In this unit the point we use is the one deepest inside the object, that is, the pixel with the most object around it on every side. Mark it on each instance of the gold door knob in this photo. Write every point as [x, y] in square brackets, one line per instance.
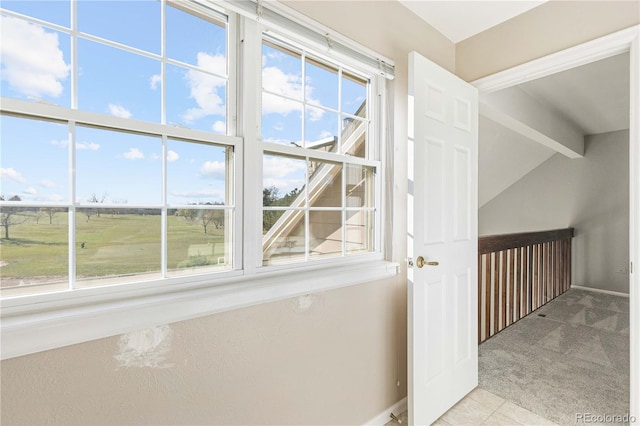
[420, 262]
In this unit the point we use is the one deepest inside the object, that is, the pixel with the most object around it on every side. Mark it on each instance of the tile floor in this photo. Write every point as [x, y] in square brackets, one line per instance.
[481, 407]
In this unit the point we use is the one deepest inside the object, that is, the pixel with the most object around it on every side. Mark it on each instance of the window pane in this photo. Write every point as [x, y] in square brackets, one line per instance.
[281, 82]
[354, 137]
[117, 167]
[198, 241]
[29, 149]
[57, 12]
[321, 128]
[198, 173]
[281, 120]
[113, 81]
[359, 186]
[283, 181]
[283, 239]
[321, 84]
[112, 245]
[281, 71]
[33, 250]
[359, 231]
[208, 50]
[134, 23]
[196, 100]
[354, 95]
[325, 233]
[35, 62]
[325, 184]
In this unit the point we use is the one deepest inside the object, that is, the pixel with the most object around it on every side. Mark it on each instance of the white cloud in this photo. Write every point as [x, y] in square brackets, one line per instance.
[87, 146]
[119, 111]
[172, 156]
[219, 127]
[61, 143]
[315, 114]
[278, 127]
[214, 169]
[283, 173]
[133, 154]
[276, 81]
[325, 134]
[279, 167]
[30, 191]
[45, 183]
[32, 62]
[204, 87]
[11, 174]
[154, 81]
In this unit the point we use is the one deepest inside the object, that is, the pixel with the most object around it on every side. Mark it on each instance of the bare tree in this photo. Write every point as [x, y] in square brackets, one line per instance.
[11, 216]
[51, 212]
[96, 200]
[204, 217]
[190, 215]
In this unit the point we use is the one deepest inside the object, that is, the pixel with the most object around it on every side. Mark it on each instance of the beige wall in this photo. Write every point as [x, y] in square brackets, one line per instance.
[551, 27]
[326, 359]
[335, 362]
[590, 194]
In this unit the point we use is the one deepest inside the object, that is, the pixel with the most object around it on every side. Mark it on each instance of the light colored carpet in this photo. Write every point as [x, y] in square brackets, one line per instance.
[573, 360]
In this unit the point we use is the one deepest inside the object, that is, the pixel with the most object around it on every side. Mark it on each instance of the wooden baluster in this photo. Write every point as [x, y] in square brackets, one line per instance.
[512, 287]
[496, 292]
[536, 289]
[480, 293]
[503, 267]
[487, 296]
[517, 300]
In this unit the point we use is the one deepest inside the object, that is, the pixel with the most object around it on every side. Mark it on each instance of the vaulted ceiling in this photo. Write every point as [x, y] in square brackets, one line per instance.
[589, 99]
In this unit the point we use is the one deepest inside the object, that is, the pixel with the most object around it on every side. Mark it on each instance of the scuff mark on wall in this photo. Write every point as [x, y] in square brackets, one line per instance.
[145, 348]
[303, 303]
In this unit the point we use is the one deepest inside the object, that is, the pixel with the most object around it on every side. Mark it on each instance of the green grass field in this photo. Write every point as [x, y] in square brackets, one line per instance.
[113, 245]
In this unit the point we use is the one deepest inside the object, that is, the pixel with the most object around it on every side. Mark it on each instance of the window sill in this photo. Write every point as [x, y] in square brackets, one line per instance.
[39, 323]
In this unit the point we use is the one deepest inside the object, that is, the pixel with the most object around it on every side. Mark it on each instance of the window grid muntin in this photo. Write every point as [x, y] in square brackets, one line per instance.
[344, 209]
[220, 19]
[292, 48]
[73, 204]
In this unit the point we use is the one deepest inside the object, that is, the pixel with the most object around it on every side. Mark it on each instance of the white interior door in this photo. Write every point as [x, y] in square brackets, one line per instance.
[634, 231]
[443, 239]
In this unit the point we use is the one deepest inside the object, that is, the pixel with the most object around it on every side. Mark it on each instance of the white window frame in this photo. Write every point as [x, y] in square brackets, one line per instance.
[46, 321]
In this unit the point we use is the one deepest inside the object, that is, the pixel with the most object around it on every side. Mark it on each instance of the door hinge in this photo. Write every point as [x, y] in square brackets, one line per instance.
[410, 262]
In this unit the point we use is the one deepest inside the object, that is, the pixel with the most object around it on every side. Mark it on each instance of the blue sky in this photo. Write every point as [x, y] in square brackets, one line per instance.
[36, 65]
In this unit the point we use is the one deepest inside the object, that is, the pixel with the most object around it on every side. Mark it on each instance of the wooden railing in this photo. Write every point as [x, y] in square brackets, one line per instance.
[518, 273]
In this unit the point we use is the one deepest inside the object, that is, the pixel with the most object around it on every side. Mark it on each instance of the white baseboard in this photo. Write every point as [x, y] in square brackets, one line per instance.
[598, 290]
[384, 417]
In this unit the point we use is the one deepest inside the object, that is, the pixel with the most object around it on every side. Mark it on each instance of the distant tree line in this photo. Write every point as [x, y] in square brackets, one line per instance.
[11, 216]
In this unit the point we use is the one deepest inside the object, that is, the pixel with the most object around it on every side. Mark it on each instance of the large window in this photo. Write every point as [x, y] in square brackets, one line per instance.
[125, 156]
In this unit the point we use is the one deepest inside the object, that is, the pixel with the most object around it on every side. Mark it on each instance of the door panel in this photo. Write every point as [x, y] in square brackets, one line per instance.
[443, 352]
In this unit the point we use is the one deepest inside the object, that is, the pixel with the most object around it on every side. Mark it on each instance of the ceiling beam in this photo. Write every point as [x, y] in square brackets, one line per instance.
[516, 110]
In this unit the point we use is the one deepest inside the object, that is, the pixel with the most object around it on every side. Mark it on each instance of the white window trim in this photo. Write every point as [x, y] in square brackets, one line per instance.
[67, 318]
[35, 323]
